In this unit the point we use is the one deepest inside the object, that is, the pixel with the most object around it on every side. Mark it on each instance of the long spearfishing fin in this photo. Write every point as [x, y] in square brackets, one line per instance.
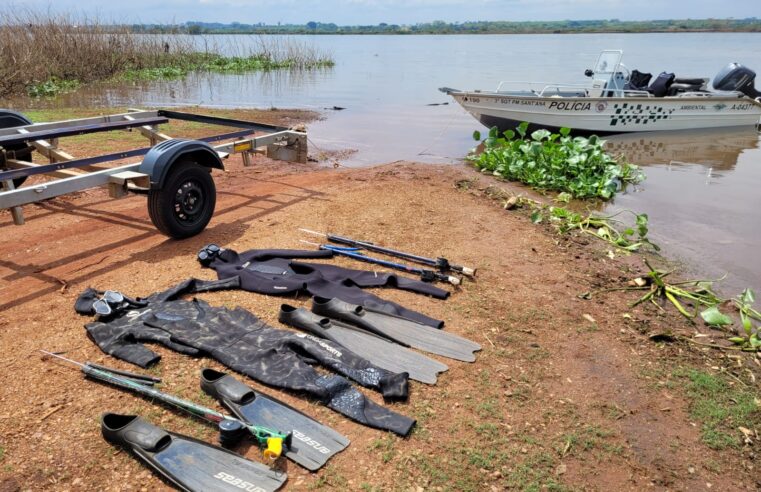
[380, 351]
[398, 329]
[312, 444]
[187, 463]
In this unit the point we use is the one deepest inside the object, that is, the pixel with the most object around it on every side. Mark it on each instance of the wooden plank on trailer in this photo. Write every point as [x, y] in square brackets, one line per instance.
[150, 132]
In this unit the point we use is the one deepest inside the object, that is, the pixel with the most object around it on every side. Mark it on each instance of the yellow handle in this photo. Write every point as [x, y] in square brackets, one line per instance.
[274, 448]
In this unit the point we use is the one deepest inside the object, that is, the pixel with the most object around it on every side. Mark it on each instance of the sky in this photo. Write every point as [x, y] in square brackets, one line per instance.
[352, 12]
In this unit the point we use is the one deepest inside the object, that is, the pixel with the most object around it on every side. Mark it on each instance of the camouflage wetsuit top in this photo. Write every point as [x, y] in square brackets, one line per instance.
[242, 342]
[272, 272]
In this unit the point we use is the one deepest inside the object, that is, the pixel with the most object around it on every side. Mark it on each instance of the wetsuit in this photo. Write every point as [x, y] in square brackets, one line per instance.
[238, 339]
[272, 272]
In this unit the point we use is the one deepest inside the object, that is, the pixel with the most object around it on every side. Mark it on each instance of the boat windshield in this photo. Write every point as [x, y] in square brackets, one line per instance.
[608, 62]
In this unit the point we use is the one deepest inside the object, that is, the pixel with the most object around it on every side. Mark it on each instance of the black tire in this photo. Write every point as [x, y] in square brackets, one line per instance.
[23, 152]
[185, 205]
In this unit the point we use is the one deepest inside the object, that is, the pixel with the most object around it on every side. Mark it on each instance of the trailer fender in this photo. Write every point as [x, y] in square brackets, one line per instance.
[9, 119]
[161, 158]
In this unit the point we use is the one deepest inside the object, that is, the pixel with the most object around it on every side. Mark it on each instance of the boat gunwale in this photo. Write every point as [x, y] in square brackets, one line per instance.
[743, 98]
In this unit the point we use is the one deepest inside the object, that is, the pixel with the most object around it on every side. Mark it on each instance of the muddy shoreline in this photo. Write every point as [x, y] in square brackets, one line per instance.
[568, 393]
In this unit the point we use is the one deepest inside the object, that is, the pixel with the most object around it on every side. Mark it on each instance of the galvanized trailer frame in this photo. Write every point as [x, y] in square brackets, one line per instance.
[172, 172]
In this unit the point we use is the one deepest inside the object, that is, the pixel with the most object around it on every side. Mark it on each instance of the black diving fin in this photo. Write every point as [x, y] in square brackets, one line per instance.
[188, 464]
[397, 329]
[378, 350]
[312, 444]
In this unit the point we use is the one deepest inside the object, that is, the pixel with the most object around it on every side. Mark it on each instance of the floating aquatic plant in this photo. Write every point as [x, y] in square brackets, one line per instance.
[554, 161]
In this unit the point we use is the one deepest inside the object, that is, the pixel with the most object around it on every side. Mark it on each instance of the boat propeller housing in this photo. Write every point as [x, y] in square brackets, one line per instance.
[736, 77]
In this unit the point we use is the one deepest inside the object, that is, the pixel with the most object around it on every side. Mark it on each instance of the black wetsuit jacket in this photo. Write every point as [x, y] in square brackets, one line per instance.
[242, 342]
[272, 272]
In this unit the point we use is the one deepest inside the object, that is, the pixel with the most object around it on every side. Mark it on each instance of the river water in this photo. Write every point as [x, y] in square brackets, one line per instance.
[702, 189]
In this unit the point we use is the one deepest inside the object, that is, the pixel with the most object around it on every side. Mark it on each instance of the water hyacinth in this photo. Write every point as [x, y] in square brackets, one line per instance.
[554, 161]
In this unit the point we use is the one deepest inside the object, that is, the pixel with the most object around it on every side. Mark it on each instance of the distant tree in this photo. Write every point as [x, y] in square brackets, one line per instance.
[312, 25]
[195, 29]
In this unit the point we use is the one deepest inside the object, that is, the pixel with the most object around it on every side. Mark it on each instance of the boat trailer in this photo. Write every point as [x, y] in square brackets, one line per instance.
[174, 173]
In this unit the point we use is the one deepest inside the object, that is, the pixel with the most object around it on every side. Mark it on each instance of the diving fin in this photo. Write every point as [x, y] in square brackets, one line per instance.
[398, 329]
[380, 351]
[312, 444]
[187, 463]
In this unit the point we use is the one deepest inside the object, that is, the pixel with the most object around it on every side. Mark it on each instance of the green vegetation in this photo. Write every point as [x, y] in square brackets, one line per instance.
[385, 446]
[52, 87]
[471, 27]
[697, 293]
[329, 478]
[546, 161]
[44, 54]
[605, 227]
[722, 409]
[198, 62]
[693, 297]
[747, 339]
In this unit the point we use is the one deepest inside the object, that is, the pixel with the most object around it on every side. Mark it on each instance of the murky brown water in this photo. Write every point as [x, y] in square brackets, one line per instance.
[702, 189]
[702, 197]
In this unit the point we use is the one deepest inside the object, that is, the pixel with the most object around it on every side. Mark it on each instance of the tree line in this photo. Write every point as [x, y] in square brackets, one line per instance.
[751, 24]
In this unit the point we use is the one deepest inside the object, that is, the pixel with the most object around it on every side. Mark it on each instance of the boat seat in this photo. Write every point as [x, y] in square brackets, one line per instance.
[695, 81]
[675, 88]
[661, 84]
[638, 81]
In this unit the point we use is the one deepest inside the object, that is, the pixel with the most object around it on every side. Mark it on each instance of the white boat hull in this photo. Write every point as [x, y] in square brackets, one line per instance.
[609, 115]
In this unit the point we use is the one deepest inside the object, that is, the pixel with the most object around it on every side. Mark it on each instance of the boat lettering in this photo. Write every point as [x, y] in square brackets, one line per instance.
[692, 106]
[521, 102]
[741, 106]
[566, 106]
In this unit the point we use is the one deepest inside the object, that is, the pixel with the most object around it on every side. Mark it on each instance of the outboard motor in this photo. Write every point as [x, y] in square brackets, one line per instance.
[735, 77]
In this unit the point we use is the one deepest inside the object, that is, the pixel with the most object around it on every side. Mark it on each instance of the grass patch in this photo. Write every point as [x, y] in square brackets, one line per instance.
[386, 447]
[720, 408]
[490, 408]
[435, 469]
[488, 459]
[487, 430]
[535, 474]
[578, 166]
[330, 478]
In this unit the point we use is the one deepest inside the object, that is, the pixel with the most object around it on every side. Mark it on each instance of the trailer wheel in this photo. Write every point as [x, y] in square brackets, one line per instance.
[184, 206]
[23, 152]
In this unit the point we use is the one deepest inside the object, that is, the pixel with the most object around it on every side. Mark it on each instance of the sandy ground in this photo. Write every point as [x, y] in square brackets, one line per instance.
[567, 394]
